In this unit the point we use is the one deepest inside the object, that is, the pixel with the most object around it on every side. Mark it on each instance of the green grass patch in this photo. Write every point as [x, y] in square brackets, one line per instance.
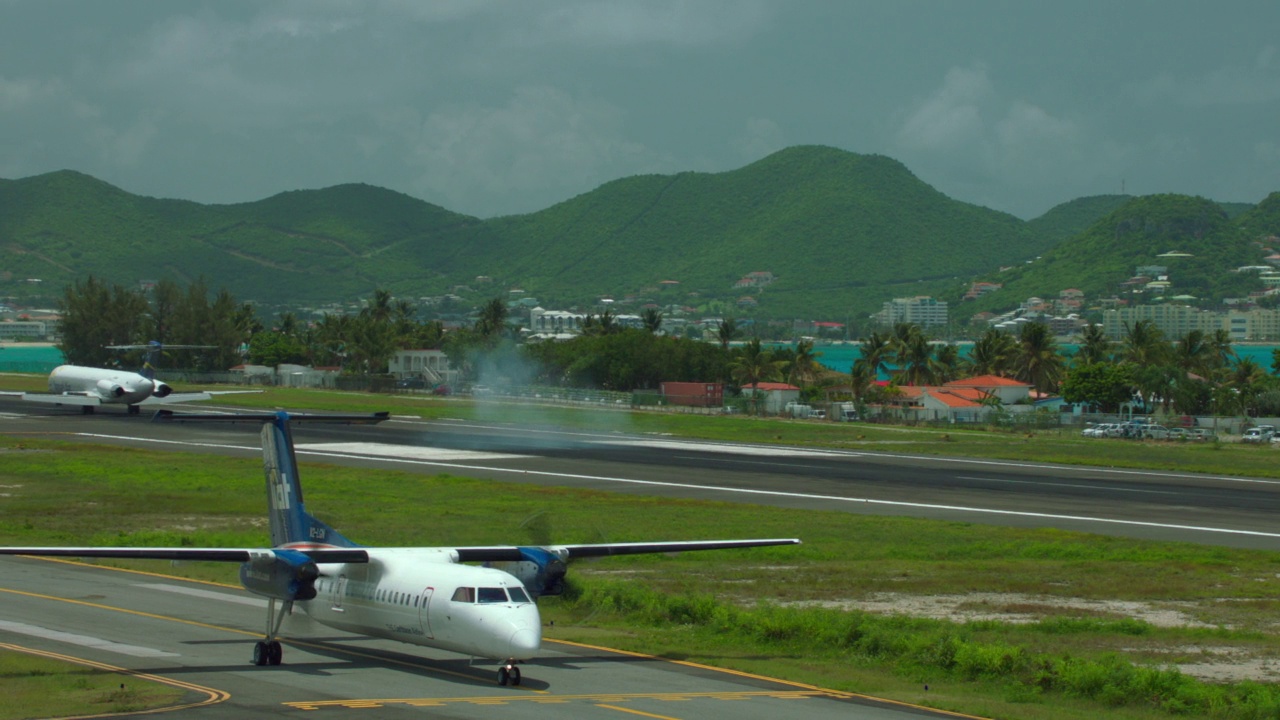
[34, 686]
[792, 612]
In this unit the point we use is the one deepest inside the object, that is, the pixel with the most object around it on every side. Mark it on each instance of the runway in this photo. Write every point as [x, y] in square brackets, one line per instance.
[1158, 505]
[201, 635]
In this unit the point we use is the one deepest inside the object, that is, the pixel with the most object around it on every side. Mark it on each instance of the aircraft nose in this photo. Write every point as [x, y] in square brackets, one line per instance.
[525, 643]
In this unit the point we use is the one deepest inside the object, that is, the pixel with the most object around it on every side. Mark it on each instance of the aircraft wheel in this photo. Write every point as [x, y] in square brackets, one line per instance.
[515, 676]
[134, 409]
[275, 653]
[261, 653]
[504, 676]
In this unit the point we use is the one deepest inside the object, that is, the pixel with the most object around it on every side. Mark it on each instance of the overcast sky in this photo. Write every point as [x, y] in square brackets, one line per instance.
[493, 108]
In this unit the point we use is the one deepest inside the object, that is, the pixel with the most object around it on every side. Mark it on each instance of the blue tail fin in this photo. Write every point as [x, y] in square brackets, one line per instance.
[290, 523]
[289, 520]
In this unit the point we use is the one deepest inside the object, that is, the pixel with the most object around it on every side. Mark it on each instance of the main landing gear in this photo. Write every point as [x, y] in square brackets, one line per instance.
[134, 409]
[269, 651]
[509, 674]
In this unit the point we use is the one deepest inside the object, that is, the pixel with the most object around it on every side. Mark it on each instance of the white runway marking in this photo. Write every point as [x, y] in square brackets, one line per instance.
[207, 594]
[758, 450]
[83, 640]
[408, 452]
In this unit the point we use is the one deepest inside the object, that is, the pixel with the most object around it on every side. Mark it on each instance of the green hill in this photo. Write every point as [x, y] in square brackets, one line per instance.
[1074, 217]
[841, 233]
[1143, 232]
[309, 246]
[837, 232]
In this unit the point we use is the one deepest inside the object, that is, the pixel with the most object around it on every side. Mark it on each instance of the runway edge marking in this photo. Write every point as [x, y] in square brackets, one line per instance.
[213, 695]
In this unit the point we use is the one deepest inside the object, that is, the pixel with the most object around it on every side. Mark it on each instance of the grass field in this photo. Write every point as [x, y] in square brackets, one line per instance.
[1000, 622]
[33, 686]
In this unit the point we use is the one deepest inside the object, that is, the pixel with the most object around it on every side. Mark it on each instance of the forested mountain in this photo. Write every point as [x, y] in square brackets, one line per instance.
[1075, 216]
[839, 233]
[1192, 237]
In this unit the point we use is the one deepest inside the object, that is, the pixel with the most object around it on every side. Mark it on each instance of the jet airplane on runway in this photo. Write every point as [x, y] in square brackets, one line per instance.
[420, 595]
[89, 387]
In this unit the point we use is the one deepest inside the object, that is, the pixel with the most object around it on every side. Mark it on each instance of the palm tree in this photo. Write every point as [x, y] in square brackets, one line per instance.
[492, 321]
[1144, 344]
[946, 365]
[378, 307]
[915, 359]
[1220, 345]
[992, 354]
[1096, 346]
[726, 331]
[873, 355]
[755, 365]
[804, 367]
[652, 319]
[1038, 362]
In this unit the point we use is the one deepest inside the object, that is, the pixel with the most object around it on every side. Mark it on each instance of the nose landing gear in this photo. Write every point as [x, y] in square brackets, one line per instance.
[509, 673]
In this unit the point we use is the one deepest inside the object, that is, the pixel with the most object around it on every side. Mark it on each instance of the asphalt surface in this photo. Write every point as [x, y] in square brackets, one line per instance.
[1217, 510]
[201, 636]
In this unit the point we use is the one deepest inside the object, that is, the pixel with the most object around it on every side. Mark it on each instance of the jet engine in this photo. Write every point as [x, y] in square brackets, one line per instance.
[542, 571]
[161, 390]
[106, 388]
[280, 574]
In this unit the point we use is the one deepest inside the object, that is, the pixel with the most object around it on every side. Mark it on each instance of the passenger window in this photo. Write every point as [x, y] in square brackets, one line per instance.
[464, 594]
[493, 595]
[518, 595]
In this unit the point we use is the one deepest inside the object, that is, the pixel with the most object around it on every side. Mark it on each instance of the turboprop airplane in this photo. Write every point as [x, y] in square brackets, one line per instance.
[419, 595]
[89, 387]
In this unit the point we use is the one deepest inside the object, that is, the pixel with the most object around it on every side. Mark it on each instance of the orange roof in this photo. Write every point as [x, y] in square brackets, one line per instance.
[951, 399]
[986, 381]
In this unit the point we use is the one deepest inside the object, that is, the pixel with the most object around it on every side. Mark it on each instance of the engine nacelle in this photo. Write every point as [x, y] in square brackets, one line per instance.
[106, 388]
[161, 390]
[541, 571]
[280, 574]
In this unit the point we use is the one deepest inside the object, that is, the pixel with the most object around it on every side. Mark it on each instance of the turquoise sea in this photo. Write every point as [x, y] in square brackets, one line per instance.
[840, 357]
[29, 358]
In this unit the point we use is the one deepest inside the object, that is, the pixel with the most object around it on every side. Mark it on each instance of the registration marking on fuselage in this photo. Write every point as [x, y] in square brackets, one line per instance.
[82, 640]
[409, 452]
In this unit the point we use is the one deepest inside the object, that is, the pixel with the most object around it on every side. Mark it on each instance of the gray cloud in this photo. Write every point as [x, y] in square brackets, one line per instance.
[492, 107]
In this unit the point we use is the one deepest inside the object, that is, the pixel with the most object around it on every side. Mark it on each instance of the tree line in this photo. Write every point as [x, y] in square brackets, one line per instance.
[1197, 374]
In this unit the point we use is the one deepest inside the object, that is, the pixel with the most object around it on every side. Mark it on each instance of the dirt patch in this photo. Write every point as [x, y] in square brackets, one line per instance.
[1012, 608]
[1209, 663]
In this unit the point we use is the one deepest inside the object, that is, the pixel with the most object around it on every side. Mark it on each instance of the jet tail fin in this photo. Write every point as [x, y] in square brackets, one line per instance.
[291, 524]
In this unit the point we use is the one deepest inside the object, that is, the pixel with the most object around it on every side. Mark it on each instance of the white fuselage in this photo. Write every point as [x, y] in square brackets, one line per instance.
[413, 595]
[109, 386]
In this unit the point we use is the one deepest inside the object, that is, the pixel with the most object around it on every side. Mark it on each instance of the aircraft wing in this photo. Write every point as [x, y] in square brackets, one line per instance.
[513, 553]
[191, 396]
[58, 399]
[177, 398]
[320, 555]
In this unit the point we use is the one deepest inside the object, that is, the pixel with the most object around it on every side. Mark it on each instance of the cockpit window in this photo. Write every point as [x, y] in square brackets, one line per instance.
[518, 595]
[464, 594]
[493, 595]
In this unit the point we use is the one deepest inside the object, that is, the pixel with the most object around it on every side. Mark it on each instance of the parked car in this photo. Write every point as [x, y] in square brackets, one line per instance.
[411, 383]
[1258, 435]
[1179, 433]
[1153, 432]
[1201, 434]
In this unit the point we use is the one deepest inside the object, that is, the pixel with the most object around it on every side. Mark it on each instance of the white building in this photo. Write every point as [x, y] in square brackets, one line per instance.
[921, 310]
[431, 365]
